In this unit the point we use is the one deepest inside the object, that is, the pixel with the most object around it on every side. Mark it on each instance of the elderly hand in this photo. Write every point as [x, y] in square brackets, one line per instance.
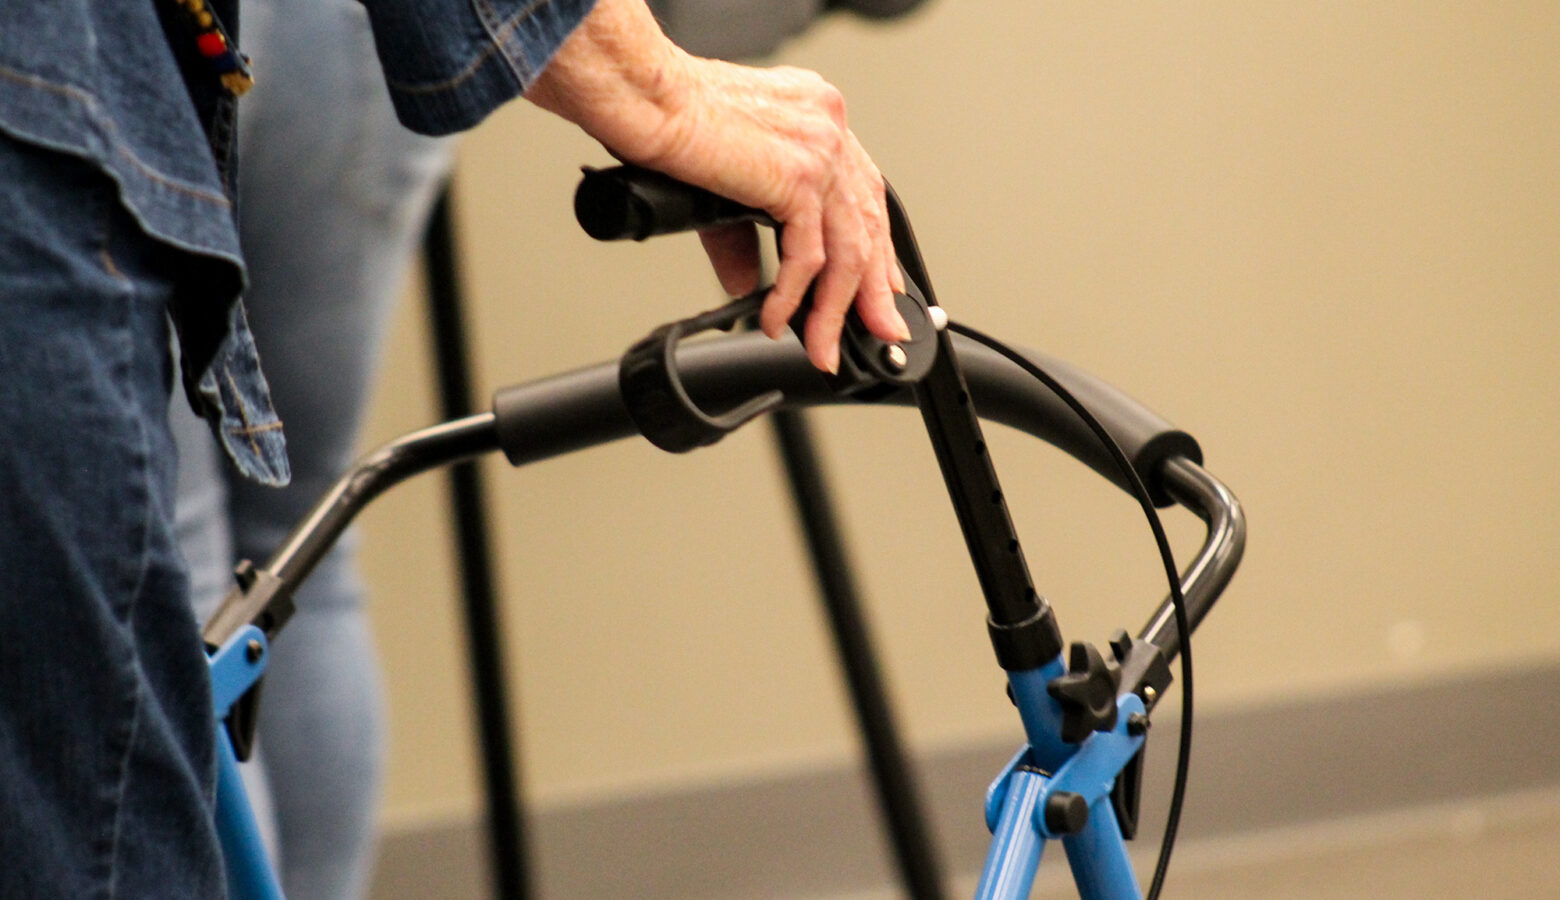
[775, 139]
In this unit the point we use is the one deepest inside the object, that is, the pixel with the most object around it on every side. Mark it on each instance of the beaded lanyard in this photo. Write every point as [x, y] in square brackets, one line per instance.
[213, 43]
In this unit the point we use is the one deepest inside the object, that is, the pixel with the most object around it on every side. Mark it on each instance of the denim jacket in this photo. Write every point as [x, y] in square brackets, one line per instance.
[119, 84]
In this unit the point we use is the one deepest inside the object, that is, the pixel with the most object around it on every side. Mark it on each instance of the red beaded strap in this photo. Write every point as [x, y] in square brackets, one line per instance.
[212, 41]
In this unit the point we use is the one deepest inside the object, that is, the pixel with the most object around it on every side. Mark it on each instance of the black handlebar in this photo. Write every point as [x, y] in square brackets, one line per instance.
[630, 203]
[579, 409]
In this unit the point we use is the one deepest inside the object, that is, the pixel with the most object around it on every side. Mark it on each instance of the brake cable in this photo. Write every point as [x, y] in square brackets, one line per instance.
[1166, 556]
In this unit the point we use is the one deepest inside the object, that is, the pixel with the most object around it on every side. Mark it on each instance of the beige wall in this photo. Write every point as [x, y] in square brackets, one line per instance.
[1320, 236]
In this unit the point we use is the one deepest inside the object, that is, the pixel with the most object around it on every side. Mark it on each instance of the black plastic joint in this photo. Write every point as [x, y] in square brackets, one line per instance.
[653, 392]
[1087, 693]
[242, 720]
[1066, 813]
[1126, 795]
[1029, 644]
[1144, 669]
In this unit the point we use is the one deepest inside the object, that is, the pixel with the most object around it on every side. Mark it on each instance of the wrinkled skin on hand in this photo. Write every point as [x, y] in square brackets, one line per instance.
[775, 139]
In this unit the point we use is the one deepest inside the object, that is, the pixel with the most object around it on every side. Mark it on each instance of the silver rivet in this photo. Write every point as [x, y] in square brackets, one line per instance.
[1149, 693]
[254, 651]
[896, 357]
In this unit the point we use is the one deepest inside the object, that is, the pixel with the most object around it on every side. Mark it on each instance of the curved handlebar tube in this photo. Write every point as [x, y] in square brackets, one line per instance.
[1210, 572]
[568, 412]
[580, 409]
[412, 454]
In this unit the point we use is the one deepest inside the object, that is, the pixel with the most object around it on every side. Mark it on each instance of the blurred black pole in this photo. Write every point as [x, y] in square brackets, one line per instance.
[507, 847]
[898, 796]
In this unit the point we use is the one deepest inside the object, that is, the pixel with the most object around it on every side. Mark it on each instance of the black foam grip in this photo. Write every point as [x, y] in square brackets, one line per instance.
[576, 410]
[630, 203]
[1008, 394]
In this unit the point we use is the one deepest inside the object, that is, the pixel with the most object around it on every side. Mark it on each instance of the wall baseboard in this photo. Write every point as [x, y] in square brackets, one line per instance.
[816, 834]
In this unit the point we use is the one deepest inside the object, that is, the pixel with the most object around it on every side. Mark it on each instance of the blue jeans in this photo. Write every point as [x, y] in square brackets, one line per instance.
[333, 192]
[106, 763]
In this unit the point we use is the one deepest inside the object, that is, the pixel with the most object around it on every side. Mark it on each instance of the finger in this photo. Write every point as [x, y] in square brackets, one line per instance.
[849, 253]
[801, 256]
[875, 305]
[821, 336]
[883, 234]
[874, 298]
[896, 275]
[733, 252]
[875, 201]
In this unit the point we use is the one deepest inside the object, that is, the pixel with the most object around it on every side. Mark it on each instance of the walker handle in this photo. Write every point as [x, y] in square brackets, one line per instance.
[630, 203]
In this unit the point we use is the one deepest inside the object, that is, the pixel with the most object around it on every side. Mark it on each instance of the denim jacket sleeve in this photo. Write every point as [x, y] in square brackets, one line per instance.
[449, 63]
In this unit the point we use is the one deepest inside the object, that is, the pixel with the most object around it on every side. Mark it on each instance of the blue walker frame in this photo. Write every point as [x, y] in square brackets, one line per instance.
[1052, 789]
[1015, 802]
[236, 667]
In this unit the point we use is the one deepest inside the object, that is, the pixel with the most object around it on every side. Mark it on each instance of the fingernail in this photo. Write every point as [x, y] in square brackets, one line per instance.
[901, 330]
[832, 360]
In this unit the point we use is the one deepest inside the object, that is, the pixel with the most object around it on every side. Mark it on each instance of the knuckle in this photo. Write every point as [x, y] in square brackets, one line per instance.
[779, 306]
[811, 169]
[824, 140]
[854, 256]
[832, 100]
[811, 260]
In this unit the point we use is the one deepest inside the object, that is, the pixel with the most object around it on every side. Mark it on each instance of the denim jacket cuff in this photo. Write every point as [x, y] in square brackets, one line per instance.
[448, 63]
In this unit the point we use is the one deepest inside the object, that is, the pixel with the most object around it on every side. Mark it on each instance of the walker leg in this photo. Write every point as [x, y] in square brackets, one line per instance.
[1098, 856]
[1016, 842]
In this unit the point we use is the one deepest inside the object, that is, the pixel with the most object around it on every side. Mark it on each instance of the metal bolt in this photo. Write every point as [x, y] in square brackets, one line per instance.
[896, 357]
[1137, 724]
[244, 574]
[254, 651]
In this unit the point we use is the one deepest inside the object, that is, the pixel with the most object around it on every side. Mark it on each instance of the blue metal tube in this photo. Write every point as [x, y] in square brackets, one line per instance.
[235, 668]
[1041, 715]
[1098, 855]
[1016, 843]
[249, 873]
[1015, 803]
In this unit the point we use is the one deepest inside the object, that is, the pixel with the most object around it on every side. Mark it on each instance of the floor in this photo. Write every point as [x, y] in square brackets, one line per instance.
[1501, 847]
[1287, 802]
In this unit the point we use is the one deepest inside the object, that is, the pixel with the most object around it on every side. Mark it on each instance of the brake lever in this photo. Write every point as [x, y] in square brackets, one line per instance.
[872, 367]
[662, 410]
[635, 203]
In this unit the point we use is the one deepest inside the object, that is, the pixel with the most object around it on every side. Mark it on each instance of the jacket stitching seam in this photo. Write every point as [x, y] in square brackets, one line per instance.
[464, 75]
[248, 431]
[254, 429]
[91, 103]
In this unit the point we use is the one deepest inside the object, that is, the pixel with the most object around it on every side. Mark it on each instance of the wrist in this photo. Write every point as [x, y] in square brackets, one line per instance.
[620, 79]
